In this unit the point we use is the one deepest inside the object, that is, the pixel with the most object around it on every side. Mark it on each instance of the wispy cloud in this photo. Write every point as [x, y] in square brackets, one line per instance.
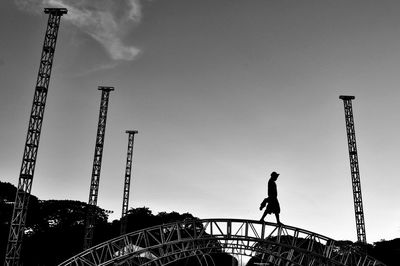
[106, 21]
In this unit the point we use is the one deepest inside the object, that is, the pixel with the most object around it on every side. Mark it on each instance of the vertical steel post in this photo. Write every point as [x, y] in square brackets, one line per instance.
[127, 184]
[98, 154]
[355, 172]
[17, 225]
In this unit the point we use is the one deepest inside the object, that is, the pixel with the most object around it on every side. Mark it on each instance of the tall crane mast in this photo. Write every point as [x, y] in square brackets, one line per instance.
[355, 172]
[98, 154]
[17, 225]
[127, 184]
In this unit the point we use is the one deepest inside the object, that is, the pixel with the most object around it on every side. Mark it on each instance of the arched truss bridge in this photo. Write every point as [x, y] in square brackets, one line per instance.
[269, 243]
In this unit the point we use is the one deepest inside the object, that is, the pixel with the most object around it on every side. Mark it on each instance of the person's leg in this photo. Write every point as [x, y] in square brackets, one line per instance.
[263, 216]
[277, 218]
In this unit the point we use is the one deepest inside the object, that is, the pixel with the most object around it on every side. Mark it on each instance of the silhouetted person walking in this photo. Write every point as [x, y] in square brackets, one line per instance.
[273, 203]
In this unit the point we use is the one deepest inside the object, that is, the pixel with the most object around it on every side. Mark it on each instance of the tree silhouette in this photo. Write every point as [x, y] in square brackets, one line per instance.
[55, 228]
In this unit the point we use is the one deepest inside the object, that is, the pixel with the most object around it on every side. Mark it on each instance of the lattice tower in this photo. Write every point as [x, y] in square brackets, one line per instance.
[127, 184]
[355, 172]
[17, 225]
[98, 154]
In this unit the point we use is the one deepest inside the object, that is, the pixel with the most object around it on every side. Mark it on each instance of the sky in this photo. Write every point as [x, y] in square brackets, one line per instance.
[222, 94]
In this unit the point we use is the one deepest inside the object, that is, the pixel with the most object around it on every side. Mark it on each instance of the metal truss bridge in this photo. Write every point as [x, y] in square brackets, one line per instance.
[269, 243]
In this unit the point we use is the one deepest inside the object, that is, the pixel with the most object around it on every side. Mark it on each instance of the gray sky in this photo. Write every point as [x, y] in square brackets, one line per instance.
[222, 93]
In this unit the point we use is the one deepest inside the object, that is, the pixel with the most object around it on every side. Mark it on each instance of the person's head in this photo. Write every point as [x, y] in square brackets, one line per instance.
[274, 175]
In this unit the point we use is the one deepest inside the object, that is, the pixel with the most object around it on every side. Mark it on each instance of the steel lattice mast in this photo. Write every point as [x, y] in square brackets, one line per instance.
[127, 184]
[98, 154]
[17, 226]
[355, 172]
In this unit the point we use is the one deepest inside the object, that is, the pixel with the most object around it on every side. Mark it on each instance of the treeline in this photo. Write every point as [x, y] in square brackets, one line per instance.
[387, 251]
[55, 229]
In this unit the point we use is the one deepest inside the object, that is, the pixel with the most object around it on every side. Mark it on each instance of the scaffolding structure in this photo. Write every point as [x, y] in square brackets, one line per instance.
[17, 225]
[355, 172]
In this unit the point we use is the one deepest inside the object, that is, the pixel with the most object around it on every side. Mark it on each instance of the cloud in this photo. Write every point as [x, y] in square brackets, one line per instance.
[106, 21]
